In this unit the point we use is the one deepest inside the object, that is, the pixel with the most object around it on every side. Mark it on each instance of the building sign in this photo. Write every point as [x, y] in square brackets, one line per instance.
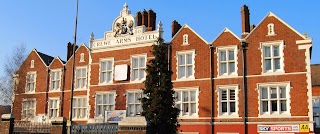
[114, 116]
[304, 127]
[278, 128]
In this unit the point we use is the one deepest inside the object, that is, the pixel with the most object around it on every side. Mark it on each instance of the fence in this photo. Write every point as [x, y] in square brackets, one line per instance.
[95, 128]
[27, 127]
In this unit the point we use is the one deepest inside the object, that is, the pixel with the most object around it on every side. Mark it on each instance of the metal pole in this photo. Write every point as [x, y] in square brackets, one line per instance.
[245, 100]
[211, 90]
[73, 64]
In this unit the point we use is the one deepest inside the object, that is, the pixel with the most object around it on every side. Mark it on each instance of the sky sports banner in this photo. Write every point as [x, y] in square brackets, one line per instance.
[278, 128]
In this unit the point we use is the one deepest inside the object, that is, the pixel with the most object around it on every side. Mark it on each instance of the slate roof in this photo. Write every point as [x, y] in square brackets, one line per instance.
[315, 74]
[46, 58]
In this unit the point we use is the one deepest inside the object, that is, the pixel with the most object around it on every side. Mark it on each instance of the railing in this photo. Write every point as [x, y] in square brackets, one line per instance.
[95, 128]
[27, 127]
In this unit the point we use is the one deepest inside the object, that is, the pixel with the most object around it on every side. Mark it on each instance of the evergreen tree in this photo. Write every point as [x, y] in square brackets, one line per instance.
[158, 105]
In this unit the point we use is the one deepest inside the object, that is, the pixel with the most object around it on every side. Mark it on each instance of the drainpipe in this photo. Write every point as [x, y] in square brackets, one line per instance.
[62, 90]
[47, 90]
[211, 90]
[244, 46]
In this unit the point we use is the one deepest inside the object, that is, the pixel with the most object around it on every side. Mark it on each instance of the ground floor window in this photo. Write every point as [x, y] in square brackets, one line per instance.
[53, 108]
[28, 109]
[187, 101]
[79, 109]
[104, 102]
[134, 103]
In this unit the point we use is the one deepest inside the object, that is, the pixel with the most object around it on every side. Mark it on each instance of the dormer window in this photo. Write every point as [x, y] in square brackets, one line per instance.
[271, 29]
[81, 57]
[32, 64]
[185, 39]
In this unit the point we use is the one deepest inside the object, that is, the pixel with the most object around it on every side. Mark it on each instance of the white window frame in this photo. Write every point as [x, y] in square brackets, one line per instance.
[79, 109]
[185, 39]
[278, 113]
[34, 108]
[53, 109]
[102, 94]
[316, 110]
[228, 114]
[271, 31]
[106, 60]
[235, 60]
[138, 68]
[83, 79]
[135, 103]
[31, 82]
[32, 64]
[271, 44]
[178, 53]
[52, 81]
[81, 57]
[181, 102]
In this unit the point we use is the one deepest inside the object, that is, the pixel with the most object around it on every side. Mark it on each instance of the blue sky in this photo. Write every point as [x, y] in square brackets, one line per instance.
[48, 25]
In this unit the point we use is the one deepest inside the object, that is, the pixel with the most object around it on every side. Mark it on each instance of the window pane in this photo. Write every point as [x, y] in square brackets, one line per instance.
[282, 92]
[193, 95]
[277, 63]
[264, 106]
[178, 96]
[142, 62]
[189, 58]
[267, 52]
[109, 76]
[185, 96]
[138, 97]
[134, 62]
[138, 109]
[109, 65]
[84, 73]
[181, 60]
[178, 106]
[273, 92]
[232, 107]
[135, 74]
[274, 106]
[232, 94]
[193, 108]
[131, 110]
[264, 93]
[185, 109]
[224, 94]
[224, 106]
[181, 72]
[231, 55]
[275, 50]
[105, 99]
[141, 74]
[130, 98]
[189, 73]
[283, 105]
[111, 99]
[231, 67]
[103, 66]
[223, 56]
[223, 68]
[267, 64]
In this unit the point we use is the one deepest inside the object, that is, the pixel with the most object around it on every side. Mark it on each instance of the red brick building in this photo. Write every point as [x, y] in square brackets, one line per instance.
[270, 93]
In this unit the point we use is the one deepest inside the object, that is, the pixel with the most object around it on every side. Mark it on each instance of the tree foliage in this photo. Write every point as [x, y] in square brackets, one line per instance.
[13, 60]
[158, 105]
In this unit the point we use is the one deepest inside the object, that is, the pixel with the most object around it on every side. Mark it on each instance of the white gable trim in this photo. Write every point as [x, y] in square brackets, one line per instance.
[272, 14]
[186, 26]
[55, 59]
[223, 31]
[83, 44]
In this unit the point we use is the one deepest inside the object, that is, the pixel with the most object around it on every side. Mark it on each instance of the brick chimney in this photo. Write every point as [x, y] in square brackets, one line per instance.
[245, 20]
[175, 26]
[70, 50]
[145, 18]
[152, 20]
[139, 18]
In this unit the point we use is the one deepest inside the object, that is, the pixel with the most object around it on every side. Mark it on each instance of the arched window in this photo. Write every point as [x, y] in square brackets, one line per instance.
[32, 64]
[81, 57]
[185, 39]
[271, 29]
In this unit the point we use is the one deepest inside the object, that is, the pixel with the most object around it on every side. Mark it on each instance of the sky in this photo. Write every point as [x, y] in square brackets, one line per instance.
[48, 25]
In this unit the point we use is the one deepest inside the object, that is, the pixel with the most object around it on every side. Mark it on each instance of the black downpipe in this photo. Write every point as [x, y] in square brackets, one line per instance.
[62, 90]
[244, 46]
[47, 90]
[211, 90]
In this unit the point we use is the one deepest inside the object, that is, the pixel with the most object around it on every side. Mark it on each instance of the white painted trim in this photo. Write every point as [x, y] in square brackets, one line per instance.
[112, 74]
[35, 82]
[77, 51]
[59, 103]
[75, 78]
[186, 26]
[185, 37]
[271, 32]
[281, 45]
[35, 107]
[126, 94]
[32, 64]
[309, 41]
[225, 48]
[273, 15]
[197, 90]
[87, 113]
[55, 59]
[95, 100]
[81, 59]
[123, 46]
[193, 52]
[60, 70]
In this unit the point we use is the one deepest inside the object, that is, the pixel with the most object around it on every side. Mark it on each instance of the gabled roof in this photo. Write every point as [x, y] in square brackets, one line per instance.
[272, 14]
[62, 62]
[45, 58]
[83, 44]
[225, 30]
[186, 26]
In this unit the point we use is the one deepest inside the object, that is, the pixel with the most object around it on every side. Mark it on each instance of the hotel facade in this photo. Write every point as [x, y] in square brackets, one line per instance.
[214, 89]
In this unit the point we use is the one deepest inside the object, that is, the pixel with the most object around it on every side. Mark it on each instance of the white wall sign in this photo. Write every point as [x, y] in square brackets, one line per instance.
[278, 128]
[121, 72]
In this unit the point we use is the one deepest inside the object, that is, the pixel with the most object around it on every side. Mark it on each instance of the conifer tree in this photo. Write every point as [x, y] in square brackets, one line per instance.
[158, 105]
